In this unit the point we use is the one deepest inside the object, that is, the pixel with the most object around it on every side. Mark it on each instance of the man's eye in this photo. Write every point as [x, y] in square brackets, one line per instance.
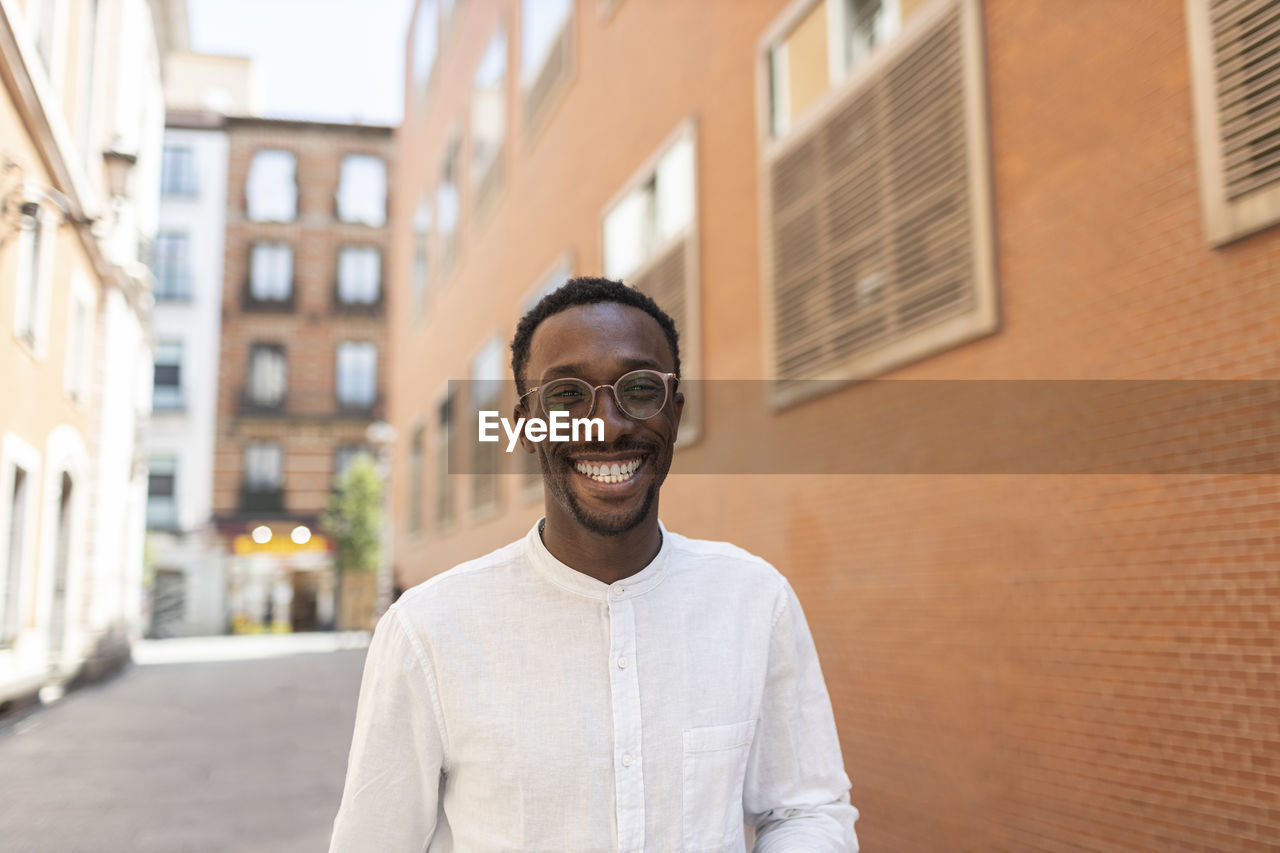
[641, 387]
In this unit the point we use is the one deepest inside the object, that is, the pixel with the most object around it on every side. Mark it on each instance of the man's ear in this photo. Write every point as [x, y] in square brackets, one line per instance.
[520, 411]
[677, 406]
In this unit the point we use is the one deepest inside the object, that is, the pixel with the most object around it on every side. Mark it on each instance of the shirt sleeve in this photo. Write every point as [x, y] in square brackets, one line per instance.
[390, 799]
[796, 792]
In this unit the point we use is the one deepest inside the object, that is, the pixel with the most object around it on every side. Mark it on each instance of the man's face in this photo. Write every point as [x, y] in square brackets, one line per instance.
[599, 343]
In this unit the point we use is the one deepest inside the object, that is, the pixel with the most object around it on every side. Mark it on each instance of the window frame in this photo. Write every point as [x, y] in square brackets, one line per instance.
[178, 403]
[16, 453]
[173, 522]
[176, 263]
[251, 402]
[348, 217]
[535, 116]
[353, 405]
[254, 302]
[379, 283]
[248, 183]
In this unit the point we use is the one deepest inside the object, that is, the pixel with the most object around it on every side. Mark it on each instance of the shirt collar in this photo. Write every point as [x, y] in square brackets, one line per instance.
[581, 584]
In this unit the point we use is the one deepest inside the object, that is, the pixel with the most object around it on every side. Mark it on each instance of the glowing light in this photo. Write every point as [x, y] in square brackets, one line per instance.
[301, 535]
[262, 534]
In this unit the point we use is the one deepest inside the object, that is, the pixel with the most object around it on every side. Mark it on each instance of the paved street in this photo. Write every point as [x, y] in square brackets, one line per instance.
[220, 744]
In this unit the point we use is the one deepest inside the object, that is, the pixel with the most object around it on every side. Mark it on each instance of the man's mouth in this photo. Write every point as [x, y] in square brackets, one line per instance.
[611, 471]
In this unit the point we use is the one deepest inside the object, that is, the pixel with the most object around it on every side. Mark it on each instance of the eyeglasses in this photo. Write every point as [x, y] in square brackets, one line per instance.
[640, 394]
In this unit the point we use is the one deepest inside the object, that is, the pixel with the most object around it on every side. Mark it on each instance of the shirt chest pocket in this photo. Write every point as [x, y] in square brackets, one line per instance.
[715, 764]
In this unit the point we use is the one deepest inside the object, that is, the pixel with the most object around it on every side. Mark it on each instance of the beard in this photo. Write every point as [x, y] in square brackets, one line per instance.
[557, 473]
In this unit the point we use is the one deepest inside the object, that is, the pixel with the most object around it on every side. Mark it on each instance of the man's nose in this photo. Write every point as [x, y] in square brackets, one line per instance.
[616, 422]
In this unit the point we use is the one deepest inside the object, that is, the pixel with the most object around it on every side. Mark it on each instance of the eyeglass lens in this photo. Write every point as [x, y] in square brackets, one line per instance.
[640, 394]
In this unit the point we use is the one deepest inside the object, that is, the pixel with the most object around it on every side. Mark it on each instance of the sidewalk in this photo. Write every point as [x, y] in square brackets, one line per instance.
[208, 744]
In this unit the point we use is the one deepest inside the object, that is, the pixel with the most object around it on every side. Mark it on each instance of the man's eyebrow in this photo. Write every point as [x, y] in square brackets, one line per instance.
[576, 370]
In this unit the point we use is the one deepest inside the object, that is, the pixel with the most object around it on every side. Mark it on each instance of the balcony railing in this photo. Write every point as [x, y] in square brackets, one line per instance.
[253, 302]
[259, 499]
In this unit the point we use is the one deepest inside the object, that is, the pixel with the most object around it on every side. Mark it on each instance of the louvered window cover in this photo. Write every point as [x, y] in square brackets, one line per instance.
[667, 281]
[871, 223]
[1246, 56]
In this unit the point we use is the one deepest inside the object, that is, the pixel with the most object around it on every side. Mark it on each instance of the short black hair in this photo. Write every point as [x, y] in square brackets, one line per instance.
[584, 290]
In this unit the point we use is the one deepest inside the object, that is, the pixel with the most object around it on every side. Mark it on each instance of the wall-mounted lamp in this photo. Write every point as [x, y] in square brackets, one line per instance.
[117, 165]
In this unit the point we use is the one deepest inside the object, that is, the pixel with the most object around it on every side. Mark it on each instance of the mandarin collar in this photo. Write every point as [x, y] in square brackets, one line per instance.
[578, 583]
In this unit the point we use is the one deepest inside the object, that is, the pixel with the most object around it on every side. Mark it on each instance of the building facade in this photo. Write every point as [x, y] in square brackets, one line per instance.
[302, 365]
[81, 120]
[914, 190]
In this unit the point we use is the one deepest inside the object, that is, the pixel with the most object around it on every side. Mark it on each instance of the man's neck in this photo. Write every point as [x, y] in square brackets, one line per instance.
[608, 559]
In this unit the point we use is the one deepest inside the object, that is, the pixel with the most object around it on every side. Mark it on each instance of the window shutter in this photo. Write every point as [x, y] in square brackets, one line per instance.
[1246, 57]
[871, 232]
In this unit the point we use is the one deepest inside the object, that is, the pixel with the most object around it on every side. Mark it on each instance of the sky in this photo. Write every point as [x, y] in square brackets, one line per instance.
[334, 60]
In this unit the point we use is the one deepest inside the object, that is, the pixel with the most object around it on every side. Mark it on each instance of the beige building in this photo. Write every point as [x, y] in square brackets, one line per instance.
[81, 118]
[933, 190]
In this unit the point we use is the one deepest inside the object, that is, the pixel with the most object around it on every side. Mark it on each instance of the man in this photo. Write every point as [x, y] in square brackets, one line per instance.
[602, 684]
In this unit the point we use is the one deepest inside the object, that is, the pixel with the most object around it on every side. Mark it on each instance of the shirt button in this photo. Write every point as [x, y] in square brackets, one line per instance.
[622, 663]
[626, 761]
[617, 590]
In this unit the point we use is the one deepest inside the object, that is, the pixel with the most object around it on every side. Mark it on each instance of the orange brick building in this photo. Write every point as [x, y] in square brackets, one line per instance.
[847, 190]
[302, 362]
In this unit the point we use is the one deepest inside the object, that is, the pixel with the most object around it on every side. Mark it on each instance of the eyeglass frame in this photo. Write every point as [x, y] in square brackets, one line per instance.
[613, 386]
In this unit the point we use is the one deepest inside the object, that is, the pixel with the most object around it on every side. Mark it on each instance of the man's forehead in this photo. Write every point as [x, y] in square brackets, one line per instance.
[599, 333]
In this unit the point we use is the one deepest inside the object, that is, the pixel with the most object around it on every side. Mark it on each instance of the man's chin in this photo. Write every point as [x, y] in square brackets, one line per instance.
[611, 522]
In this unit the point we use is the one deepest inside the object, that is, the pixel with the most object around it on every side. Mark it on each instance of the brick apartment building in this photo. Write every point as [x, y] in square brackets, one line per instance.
[904, 189]
[302, 361]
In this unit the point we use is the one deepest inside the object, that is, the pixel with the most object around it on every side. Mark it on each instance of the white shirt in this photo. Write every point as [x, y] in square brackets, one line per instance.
[514, 704]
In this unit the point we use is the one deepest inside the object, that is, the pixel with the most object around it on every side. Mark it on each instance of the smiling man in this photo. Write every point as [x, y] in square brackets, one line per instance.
[602, 684]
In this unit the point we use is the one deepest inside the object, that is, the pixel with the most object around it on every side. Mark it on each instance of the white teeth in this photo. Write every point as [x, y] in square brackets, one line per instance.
[608, 472]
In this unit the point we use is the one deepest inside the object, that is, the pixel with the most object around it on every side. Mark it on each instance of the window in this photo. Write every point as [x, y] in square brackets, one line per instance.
[448, 206]
[489, 120]
[15, 552]
[79, 336]
[171, 263]
[36, 236]
[820, 49]
[271, 194]
[1236, 94]
[362, 190]
[167, 393]
[878, 215]
[546, 54]
[271, 274]
[44, 17]
[178, 171]
[486, 395]
[263, 486]
[268, 377]
[426, 42]
[444, 479]
[421, 257]
[357, 384]
[345, 455]
[650, 241]
[359, 275]
[162, 504]
[417, 464]
[653, 214]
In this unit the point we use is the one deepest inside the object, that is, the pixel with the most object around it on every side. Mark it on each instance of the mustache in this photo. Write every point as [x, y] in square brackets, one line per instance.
[627, 445]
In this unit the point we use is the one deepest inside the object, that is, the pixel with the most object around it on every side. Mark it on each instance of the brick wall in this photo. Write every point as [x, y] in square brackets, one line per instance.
[1016, 662]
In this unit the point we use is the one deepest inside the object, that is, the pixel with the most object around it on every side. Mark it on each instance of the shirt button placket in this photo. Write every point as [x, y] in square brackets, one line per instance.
[627, 723]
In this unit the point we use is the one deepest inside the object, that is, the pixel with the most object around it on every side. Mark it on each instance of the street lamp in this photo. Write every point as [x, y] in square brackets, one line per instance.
[381, 437]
